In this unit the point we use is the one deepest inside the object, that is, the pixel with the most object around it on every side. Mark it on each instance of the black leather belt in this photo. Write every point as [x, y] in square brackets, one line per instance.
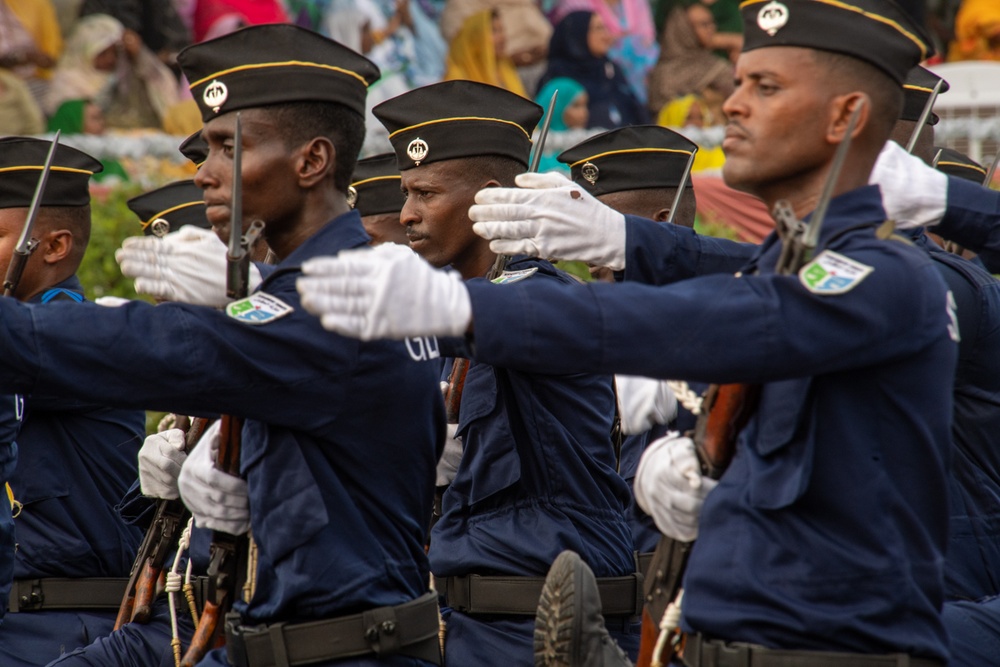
[477, 594]
[701, 652]
[58, 593]
[409, 629]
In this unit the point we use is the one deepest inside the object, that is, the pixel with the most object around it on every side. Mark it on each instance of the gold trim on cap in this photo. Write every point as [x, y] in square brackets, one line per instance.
[631, 150]
[37, 167]
[170, 210]
[875, 17]
[964, 165]
[376, 178]
[919, 89]
[287, 63]
[457, 118]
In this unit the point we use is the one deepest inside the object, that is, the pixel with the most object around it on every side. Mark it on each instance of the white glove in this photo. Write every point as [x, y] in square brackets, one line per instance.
[913, 193]
[384, 292]
[110, 301]
[160, 461]
[551, 217]
[217, 500]
[188, 266]
[450, 458]
[643, 402]
[670, 488]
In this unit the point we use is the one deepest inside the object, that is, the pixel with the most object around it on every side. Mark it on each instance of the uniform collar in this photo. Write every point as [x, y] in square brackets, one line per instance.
[344, 231]
[71, 284]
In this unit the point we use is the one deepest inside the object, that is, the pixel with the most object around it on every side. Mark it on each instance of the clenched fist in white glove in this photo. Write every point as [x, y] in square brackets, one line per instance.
[670, 488]
[217, 500]
[188, 266]
[643, 402]
[384, 292]
[550, 216]
[160, 461]
[447, 467]
[913, 193]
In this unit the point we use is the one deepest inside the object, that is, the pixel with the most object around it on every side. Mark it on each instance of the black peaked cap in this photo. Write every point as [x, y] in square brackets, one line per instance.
[878, 32]
[917, 90]
[958, 164]
[630, 158]
[270, 64]
[195, 148]
[21, 162]
[178, 203]
[376, 185]
[457, 119]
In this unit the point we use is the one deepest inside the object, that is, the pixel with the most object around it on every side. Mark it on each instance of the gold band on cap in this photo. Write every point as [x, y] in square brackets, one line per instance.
[875, 17]
[162, 214]
[376, 178]
[460, 118]
[287, 63]
[631, 150]
[37, 167]
[919, 89]
[963, 165]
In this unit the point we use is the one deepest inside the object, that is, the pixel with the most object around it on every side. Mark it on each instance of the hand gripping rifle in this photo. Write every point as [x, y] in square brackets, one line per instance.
[227, 552]
[168, 521]
[460, 367]
[25, 244]
[725, 411]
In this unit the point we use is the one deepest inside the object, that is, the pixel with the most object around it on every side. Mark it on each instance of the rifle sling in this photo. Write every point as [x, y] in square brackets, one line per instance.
[58, 593]
[409, 629]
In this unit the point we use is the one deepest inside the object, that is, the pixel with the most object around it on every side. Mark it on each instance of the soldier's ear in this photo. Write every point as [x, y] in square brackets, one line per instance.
[55, 246]
[841, 108]
[316, 160]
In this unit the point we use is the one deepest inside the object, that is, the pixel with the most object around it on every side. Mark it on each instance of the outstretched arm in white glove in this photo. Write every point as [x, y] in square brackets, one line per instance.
[217, 500]
[670, 488]
[384, 292]
[188, 266]
[913, 193]
[551, 217]
[160, 461]
[643, 402]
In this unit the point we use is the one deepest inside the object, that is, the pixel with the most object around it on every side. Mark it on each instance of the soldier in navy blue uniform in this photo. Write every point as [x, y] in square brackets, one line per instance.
[340, 439]
[160, 211]
[537, 473]
[11, 413]
[637, 171]
[792, 563]
[76, 456]
[376, 195]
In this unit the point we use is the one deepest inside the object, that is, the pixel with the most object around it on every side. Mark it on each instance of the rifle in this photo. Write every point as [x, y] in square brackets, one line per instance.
[726, 410]
[227, 552]
[168, 520]
[460, 367]
[25, 244]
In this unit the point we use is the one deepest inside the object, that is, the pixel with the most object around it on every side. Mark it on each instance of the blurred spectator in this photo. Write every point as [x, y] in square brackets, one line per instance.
[214, 18]
[85, 117]
[569, 113]
[526, 30]
[579, 51]
[977, 31]
[157, 23]
[728, 38]
[19, 112]
[630, 23]
[476, 54]
[687, 64]
[691, 111]
[109, 64]
[30, 42]
[397, 35]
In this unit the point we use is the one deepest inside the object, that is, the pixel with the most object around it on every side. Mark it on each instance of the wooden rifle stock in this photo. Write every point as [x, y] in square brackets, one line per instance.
[167, 524]
[726, 409]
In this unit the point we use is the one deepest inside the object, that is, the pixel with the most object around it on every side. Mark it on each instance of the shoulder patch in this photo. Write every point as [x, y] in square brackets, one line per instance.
[832, 273]
[259, 308]
[514, 276]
